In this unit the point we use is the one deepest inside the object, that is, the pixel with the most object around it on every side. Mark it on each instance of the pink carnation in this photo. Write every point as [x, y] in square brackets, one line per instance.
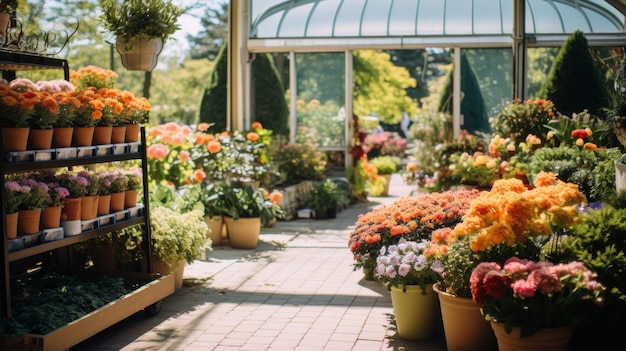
[524, 288]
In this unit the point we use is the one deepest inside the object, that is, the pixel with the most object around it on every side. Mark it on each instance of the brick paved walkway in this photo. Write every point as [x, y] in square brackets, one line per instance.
[296, 291]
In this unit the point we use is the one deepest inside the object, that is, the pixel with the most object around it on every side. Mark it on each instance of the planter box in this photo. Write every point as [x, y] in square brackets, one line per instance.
[96, 321]
[295, 197]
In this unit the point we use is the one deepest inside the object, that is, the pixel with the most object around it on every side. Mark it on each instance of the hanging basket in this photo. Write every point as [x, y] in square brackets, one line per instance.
[139, 54]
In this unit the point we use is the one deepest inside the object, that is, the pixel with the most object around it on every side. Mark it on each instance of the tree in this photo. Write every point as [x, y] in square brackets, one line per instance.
[472, 103]
[213, 104]
[574, 83]
[207, 43]
[380, 87]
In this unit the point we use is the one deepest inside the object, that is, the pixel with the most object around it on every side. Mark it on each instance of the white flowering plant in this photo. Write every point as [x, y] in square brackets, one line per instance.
[405, 264]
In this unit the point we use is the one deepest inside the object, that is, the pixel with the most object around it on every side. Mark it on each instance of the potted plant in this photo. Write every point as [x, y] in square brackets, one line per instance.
[323, 199]
[141, 28]
[385, 166]
[532, 303]
[413, 218]
[13, 196]
[16, 111]
[509, 220]
[248, 207]
[410, 275]
[177, 238]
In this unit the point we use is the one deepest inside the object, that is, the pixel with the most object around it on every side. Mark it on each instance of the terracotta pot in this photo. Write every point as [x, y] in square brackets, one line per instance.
[215, 225]
[553, 339]
[117, 201]
[50, 217]
[244, 232]
[464, 326]
[14, 139]
[82, 136]
[88, 207]
[40, 139]
[130, 199]
[139, 54]
[132, 133]
[28, 221]
[415, 312]
[102, 135]
[5, 19]
[163, 268]
[118, 134]
[71, 209]
[11, 223]
[62, 137]
[104, 205]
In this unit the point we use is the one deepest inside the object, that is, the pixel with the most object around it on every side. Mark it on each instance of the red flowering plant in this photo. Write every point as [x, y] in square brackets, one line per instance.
[510, 220]
[409, 218]
[535, 295]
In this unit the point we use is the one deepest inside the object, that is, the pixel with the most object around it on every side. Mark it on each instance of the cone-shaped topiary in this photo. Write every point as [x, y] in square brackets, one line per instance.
[574, 83]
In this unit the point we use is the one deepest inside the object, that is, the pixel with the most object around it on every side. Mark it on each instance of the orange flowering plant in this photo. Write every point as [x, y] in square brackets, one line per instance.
[16, 107]
[411, 218]
[510, 220]
[478, 169]
[519, 118]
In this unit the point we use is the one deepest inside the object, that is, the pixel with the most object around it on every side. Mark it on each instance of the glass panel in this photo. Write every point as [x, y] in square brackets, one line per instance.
[349, 18]
[539, 63]
[320, 108]
[599, 24]
[492, 68]
[572, 18]
[458, 18]
[403, 15]
[376, 18]
[295, 21]
[430, 17]
[487, 18]
[322, 20]
[268, 27]
[545, 18]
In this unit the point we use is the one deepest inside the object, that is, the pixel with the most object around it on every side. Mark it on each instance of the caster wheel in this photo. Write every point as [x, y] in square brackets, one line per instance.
[153, 309]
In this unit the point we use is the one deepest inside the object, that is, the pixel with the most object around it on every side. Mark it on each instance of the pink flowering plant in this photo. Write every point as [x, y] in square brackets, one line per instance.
[405, 264]
[535, 295]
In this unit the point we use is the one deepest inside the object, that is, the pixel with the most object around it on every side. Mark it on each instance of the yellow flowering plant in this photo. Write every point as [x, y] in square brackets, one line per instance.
[478, 169]
[510, 220]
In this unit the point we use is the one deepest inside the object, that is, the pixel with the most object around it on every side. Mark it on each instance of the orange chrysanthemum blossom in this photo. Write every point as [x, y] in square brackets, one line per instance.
[510, 213]
[252, 136]
[257, 125]
[198, 176]
[203, 127]
[276, 197]
[412, 218]
[213, 146]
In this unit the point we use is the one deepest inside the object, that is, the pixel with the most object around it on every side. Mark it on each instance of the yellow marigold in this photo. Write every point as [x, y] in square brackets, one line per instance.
[590, 146]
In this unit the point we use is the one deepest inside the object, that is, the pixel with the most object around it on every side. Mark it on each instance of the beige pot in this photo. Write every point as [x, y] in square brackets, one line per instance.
[244, 232]
[552, 339]
[139, 54]
[215, 225]
[163, 268]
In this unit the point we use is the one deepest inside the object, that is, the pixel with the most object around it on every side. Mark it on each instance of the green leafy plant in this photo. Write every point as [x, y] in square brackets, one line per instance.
[519, 118]
[248, 202]
[323, 195]
[177, 236]
[385, 164]
[141, 18]
[297, 162]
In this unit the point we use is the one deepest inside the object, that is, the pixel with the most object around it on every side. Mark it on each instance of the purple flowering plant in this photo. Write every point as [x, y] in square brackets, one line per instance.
[56, 194]
[75, 184]
[405, 264]
[34, 194]
[536, 295]
[13, 196]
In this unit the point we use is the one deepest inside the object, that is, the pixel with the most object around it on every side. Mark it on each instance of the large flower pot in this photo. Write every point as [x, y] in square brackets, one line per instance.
[387, 178]
[71, 209]
[102, 135]
[82, 136]
[40, 139]
[89, 207]
[553, 339]
[50, 217]
[244, 232]
[62, 137]
[130, 198]
[28, 221]
[104, 205]
[14, 139]
[132, 133]
[620, 176]
[415, 312]
[464, 326]
[118, 134]
[11, 222]
[215, 224]
[117, 201]
[139, 54]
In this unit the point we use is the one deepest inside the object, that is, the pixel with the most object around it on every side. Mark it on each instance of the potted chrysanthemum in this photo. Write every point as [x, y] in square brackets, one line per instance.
[409, 275]
[412, 218]
[510, 220]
